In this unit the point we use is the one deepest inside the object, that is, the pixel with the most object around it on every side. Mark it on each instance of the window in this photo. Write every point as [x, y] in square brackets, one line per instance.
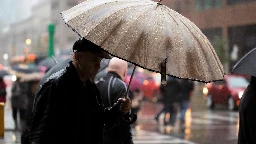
[207, 4]
[178, 6]
[238, 82]
[238, 1]
[187, 5]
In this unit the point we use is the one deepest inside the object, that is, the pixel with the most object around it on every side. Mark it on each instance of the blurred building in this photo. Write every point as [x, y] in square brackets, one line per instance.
[64, 36]
[11, 11]
[230, 25]
[30, 34]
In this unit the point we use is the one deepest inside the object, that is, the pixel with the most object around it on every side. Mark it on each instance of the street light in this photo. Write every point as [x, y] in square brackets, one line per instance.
[28, 41]
[5, 56]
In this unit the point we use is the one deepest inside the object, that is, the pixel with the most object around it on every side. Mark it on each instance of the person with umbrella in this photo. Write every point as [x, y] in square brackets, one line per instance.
[2, 86]
[112, 87]
[19, 102]
[247, 127]
[2, 90]
[68, 106]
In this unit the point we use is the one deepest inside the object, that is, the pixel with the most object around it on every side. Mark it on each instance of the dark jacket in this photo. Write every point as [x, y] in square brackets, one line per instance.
[170, 92]
[19, 97]
[2, 90]
[187, 87]
[68, 112]
[111, 88]
[247, 115]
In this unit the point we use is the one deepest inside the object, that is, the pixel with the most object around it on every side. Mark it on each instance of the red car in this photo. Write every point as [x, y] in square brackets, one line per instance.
[148, 83]
[227, 92]
[151, 87]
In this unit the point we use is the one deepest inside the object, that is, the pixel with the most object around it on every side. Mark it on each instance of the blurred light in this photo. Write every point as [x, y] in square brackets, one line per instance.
[145, 82]
[205, 91]
[5, 56]
[14, 78]
[1, 66]
[240, 94]
[154, 99]
[31, 57]
[28, 41]
[14, 138]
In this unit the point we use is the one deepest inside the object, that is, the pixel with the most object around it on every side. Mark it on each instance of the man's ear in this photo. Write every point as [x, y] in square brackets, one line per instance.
[77, 57]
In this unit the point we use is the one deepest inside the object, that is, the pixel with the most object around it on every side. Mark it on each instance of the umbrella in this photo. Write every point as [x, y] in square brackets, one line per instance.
[147, 34]
[247, 64]
[3, 73]
[48, 62]
[23, 69]
[54, 69]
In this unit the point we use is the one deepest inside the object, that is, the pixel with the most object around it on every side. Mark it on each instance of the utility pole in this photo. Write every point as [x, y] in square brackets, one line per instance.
[51, 30]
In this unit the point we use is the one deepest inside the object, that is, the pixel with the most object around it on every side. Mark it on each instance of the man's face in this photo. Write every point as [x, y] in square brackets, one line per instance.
[89, 63]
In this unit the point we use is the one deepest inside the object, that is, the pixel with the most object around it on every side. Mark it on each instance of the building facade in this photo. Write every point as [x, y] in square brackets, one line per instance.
[233, 22]
[64, 36]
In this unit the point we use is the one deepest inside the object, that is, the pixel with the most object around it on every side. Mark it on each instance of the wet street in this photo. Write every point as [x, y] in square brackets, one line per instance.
[203, 126]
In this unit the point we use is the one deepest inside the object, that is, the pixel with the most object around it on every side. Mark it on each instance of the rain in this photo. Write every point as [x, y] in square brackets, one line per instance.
[188, 67]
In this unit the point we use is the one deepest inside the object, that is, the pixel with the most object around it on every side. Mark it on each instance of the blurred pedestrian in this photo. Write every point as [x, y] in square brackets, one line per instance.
[19, 102]
[186, 91]
[32, 85]
[112, 87]
[2, 91]
[68, 107]
[247, 116]
[170, 95]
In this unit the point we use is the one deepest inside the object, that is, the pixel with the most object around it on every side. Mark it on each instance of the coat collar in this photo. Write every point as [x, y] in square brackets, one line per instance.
[73, 75]
[114, 74]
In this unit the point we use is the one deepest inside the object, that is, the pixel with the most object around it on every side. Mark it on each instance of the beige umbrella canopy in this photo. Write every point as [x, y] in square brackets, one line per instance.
[146, 33]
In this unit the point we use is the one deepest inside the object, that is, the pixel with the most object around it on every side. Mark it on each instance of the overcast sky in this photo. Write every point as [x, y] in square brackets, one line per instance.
[15, 10]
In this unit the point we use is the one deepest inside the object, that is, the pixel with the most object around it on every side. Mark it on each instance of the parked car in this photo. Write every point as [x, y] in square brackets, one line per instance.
[227, 92]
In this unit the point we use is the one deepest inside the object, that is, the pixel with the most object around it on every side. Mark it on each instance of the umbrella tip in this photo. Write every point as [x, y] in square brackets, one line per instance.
[159, 2]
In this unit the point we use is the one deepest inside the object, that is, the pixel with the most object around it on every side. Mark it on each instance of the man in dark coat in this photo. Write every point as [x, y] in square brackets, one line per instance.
[186, 89]
[170, 96]
[247, 116]
[112, 87]
[68, 107]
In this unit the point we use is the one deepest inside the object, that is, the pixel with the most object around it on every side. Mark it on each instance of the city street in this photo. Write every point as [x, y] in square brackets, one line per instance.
[202, 126]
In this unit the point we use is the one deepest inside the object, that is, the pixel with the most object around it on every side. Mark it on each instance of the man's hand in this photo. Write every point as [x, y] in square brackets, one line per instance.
[125, 104]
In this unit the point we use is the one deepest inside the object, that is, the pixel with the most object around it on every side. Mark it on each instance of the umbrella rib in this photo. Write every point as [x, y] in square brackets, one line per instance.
[209, 46]
[132, 6]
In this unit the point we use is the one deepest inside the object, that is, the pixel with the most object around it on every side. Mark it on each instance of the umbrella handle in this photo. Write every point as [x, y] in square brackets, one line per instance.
[134, 118]
[126, 94]
[163, 72]
[55, 60]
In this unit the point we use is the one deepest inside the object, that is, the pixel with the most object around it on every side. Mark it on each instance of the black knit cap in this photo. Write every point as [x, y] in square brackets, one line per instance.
[83, 45]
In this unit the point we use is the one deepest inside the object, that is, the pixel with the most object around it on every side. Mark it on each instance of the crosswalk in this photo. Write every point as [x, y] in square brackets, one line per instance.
[146, 137]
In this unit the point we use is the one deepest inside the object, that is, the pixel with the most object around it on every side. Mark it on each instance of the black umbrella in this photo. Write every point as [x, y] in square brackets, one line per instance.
[247, 64]
[54, 69]
[49, 62]
[3, 73]
[23, 69]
